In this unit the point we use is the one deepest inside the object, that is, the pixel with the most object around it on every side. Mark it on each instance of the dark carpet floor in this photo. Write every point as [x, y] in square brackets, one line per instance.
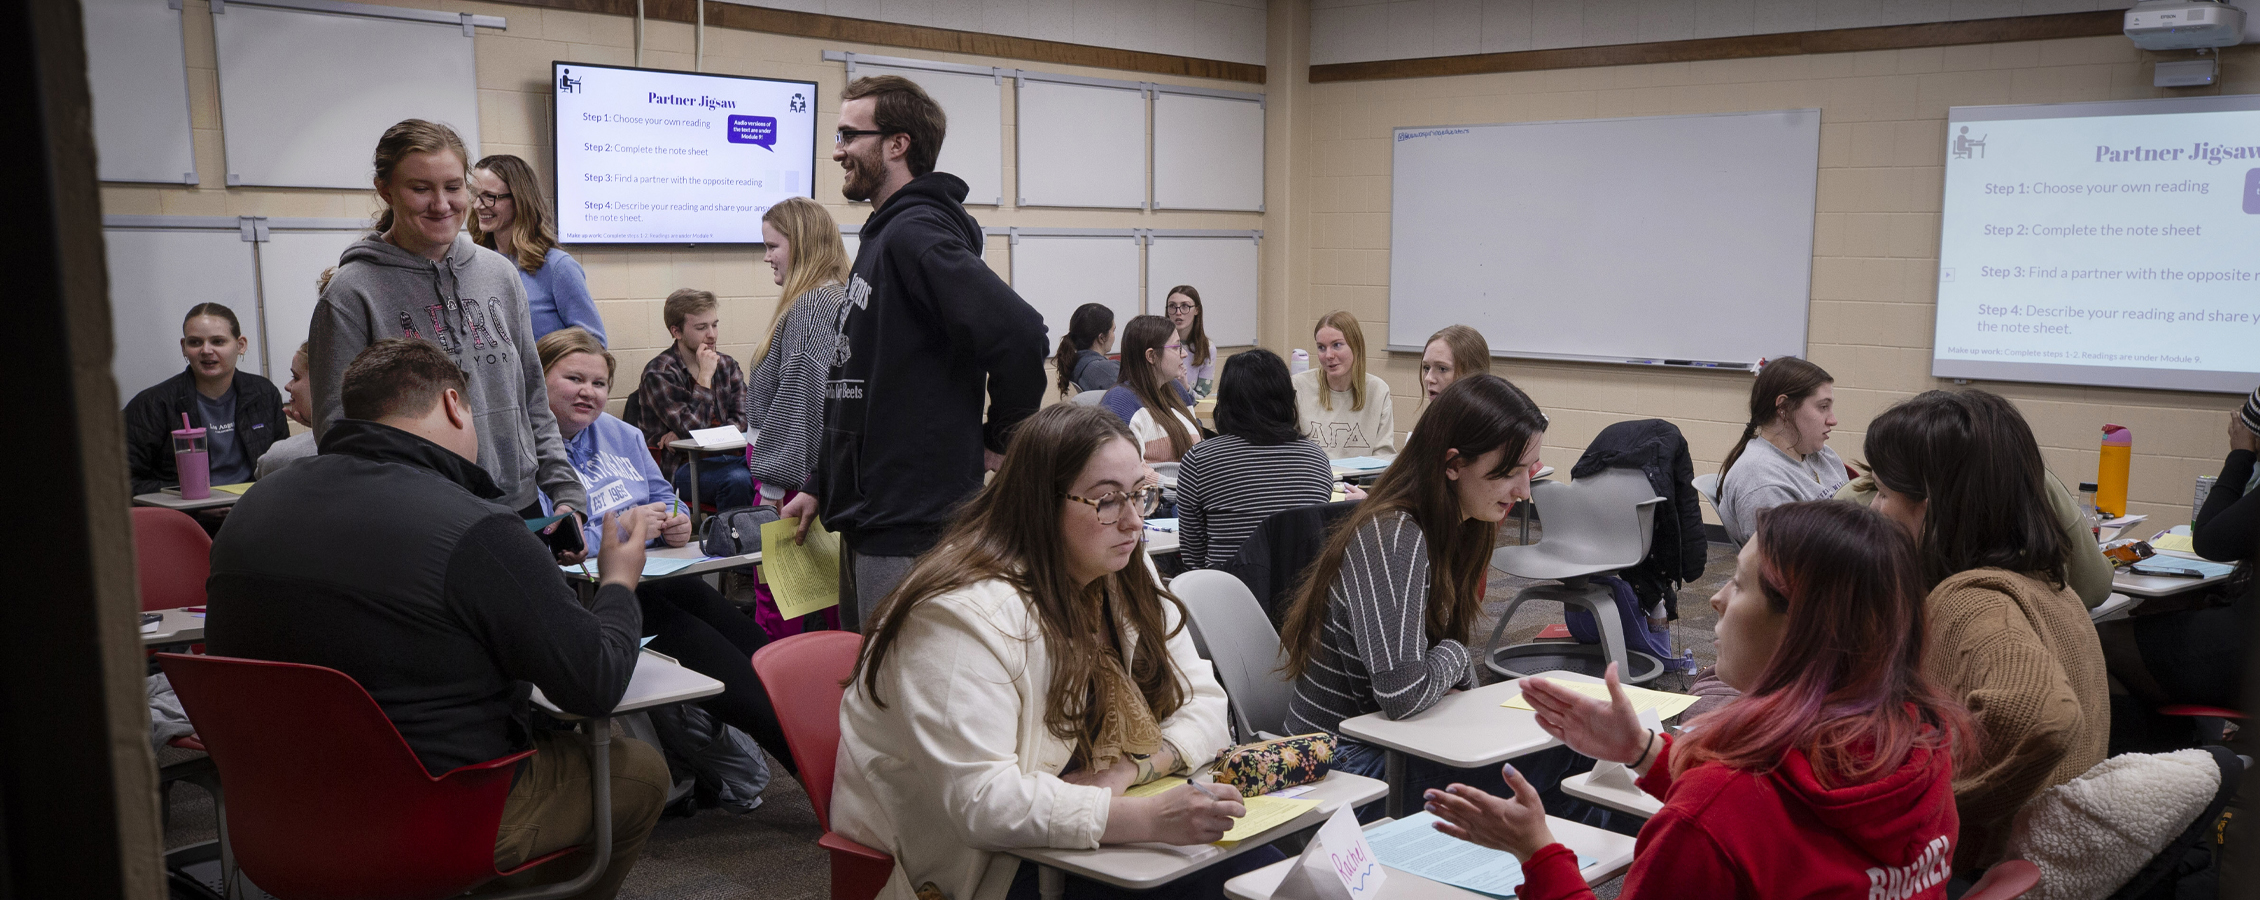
[771, 853]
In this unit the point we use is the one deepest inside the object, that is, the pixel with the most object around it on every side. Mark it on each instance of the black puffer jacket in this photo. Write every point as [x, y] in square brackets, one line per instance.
[1679, 550]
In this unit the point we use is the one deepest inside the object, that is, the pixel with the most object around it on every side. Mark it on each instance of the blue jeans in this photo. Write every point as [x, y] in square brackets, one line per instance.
[723, 481]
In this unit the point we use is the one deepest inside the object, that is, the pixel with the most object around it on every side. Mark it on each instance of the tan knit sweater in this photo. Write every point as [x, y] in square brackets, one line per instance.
[2024, 658]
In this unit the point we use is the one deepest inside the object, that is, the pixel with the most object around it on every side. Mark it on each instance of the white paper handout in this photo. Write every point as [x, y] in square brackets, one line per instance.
[1337, 864]
[719, 436]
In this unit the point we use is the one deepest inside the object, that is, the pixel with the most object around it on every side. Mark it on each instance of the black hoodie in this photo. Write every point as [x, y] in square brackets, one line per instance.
[926, 325]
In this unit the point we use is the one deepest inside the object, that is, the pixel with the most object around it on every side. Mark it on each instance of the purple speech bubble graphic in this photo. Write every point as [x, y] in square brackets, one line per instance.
[757, 130]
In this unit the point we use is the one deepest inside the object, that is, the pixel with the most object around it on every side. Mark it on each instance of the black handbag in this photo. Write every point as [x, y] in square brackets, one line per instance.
[736, 531]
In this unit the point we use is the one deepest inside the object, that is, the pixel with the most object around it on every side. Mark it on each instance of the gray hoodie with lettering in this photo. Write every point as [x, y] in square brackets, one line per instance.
[472, 305]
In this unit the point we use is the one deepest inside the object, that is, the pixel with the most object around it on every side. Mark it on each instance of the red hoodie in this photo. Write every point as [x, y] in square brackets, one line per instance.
[1729, 833]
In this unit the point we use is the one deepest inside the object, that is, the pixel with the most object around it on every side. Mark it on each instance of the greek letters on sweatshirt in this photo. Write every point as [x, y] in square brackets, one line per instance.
[472, 304]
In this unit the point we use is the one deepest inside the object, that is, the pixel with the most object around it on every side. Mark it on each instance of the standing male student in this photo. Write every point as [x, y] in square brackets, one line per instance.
[925, 327]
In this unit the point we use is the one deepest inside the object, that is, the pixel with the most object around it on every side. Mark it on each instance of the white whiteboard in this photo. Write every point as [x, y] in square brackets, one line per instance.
[974, 147]
[139, 80]
[1675, 237]
[289, 264]
[1081, 145]
[155, 277]
[1057, 274]
[305, 95]
[1223, 269]
[1208, 153]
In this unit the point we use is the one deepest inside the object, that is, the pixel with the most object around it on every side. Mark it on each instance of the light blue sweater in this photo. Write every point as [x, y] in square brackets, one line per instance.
[616, 469]
[557, 295]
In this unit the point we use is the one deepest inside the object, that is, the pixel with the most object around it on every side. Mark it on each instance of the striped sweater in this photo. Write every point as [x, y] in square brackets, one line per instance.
[784, 395]
[1374, 654]
[1226, 486]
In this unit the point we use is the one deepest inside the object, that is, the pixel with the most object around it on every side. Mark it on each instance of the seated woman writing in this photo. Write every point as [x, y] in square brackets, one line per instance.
[1830, 777]
[1027, 671]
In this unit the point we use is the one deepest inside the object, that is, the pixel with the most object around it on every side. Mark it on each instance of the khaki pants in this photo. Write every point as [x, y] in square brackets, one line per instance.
[550, 805]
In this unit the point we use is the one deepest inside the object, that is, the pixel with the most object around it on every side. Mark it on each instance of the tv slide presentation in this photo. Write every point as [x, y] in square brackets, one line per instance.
[2103, 244]
[648, 156]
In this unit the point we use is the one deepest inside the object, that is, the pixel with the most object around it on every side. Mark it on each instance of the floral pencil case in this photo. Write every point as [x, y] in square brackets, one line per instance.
[1267, 766]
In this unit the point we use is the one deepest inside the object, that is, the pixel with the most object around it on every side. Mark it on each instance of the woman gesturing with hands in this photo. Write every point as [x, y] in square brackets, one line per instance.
[1832, 775]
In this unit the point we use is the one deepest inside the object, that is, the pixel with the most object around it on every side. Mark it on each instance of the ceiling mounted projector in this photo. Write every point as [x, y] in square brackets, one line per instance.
[2184, 24]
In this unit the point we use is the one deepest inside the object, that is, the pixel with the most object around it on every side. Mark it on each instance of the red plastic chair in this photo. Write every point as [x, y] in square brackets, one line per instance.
[2008, 879]
[173, 556]
[325, 799]
[804, 675]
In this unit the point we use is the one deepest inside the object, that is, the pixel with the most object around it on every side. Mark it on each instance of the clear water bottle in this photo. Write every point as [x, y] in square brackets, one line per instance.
[1298, 362]
[2087, 509]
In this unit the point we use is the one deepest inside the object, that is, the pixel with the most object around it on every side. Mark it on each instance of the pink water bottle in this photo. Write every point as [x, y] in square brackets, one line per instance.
[193, 460]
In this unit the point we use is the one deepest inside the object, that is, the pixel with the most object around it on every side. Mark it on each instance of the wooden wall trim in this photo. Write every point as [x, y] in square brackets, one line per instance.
[1840, 40]
[917, 37]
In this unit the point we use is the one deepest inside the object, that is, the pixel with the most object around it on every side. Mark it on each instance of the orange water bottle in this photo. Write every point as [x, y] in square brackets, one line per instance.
[2111, 476]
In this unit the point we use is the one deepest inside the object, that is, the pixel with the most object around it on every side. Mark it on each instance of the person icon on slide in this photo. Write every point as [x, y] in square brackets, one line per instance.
[568, 84]
[1963, 144]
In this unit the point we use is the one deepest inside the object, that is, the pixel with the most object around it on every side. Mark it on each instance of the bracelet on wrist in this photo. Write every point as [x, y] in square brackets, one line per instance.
[1647, 746]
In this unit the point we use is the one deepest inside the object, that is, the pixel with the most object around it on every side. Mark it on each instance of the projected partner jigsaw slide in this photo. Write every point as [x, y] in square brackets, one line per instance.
[648, 156]
[2103, 242]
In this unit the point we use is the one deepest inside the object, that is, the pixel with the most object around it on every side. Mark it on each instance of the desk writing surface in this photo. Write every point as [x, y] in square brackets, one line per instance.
[1140, 868]
[724, 447]
[174, 501]
[2147, 586]
[179, 627]
[1611, 852]
[658, 681]
[1465, 729]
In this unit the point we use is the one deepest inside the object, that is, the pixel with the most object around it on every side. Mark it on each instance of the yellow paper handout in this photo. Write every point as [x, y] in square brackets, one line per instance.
[805, 578]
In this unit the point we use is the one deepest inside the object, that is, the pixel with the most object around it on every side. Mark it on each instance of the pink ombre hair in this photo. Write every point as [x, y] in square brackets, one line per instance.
[1846, 686]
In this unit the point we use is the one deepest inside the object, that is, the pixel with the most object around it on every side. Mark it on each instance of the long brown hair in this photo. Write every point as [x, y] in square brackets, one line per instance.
[1846, 686]
[410, 136]
[1474, 416]
[1471, 354]
[1089, 322]
[817, 256]
[1151, 333]
[1973, 457]
[1197, 350]
[1782, 386]
[1010, 531]
[1342, 321]
[531, 234]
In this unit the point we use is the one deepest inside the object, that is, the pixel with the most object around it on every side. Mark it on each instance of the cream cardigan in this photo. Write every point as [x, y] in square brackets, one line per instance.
[959, 766]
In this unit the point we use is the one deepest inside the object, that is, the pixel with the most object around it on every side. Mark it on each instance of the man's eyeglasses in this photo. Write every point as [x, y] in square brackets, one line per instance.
[1144, 500]
[488, 200]
[846, 135]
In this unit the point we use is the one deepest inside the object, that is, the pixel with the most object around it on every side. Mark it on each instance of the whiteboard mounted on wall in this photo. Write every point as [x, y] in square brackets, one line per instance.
[138, 77]
[1057, 273]
[304, 95]
[290, 264]
[974, 148]
[1208, 152]
[1081, 145]
[156, 276]
[1223, 269]
[1659, 240]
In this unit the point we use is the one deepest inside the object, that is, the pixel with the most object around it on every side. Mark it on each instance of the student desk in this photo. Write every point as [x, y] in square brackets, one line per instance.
[1160, 543]
[1614, 796]
[1464, 730]
[1611, 852]
[174, 501]
[658, 680]
[698, 457]
[179, 627]
[585, 586]
[2144, 587]
[1143, 868]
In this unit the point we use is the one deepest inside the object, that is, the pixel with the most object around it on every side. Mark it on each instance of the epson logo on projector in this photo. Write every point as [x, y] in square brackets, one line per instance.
[2210, 153]
[672, 100]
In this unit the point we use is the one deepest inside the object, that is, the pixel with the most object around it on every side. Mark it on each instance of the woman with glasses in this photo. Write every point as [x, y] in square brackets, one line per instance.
[1027, 672]
[1184, 309]
[510, 217]
[1150, 397]
[1383, 622]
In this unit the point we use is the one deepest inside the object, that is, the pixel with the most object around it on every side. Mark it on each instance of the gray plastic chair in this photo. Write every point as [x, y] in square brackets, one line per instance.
[1707, 484]
[1230, 629]
[1088, 398]
[1594, 526]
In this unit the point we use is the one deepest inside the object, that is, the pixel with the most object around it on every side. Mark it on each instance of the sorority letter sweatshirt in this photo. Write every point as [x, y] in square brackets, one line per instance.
[473, 306]
[1726, 832]
[926, 328]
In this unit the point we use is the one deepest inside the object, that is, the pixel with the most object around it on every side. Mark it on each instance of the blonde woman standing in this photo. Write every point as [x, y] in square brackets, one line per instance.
[511, 217]
[1343, 407]
[784, 394]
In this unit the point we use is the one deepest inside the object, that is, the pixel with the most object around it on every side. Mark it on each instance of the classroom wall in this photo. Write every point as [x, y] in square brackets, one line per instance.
[1876, 244]
[630, 283]
[1211, 29]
